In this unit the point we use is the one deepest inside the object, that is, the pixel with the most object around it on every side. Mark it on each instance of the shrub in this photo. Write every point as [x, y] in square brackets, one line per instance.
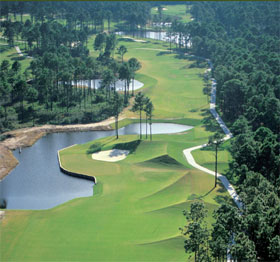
[96, 147]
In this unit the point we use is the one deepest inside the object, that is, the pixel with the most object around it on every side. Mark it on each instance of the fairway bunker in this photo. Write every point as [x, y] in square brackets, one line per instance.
[113, 155]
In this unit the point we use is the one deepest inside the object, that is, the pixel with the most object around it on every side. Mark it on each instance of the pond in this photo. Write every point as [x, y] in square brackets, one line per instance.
[120, 84]
[163, 36]
[38, 183]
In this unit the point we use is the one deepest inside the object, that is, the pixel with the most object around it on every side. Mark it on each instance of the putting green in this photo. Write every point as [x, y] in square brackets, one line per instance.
[136, 210]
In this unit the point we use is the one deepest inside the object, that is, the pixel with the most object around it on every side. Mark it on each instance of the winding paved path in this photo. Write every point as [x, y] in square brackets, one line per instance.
[228, 135]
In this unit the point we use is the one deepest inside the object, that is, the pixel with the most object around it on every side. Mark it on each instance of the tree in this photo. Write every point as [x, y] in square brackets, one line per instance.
[111, 43]
[138, 105]
[125, 75]
[20, 90]
[117, 106]
[196, 232]
[121, 51]
[243, 249]
[216, 140]
[32, 95]
[149, 113]
[99, 42]
[108, 79]
[134, 65]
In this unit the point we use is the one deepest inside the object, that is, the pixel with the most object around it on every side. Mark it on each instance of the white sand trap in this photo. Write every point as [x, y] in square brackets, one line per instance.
[135, 40]
[164, 9]
[110, 155]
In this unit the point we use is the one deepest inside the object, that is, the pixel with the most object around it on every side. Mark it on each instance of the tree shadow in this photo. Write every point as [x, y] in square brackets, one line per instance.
[206, 194]
[163, 53]
[223, 199]
[131, 146]
[208, 121]
[20, 58]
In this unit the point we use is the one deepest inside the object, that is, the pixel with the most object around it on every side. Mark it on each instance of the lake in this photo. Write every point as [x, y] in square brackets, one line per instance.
[38, 183]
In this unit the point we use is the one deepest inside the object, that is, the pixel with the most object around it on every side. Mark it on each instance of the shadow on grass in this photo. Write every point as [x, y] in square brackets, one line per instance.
[4, 48]
[209, 122]
[131, 146]
[163, 53]
[96, 147]
[20, 58]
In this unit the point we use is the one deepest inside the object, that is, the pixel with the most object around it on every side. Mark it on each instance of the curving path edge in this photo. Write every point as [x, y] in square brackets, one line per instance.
[187, 152]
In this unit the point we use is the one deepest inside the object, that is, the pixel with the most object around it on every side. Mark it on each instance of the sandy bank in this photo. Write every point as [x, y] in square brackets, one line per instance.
[28, 136]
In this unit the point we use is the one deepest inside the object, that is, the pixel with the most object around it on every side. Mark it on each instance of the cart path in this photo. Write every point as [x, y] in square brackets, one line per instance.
[187, 152]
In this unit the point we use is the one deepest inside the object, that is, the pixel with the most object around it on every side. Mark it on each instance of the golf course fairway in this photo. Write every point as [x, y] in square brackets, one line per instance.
[136, 209]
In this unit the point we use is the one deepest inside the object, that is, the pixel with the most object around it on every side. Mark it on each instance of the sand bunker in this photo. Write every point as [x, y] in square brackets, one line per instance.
[110, 155]
[164, 9]
[135, 40]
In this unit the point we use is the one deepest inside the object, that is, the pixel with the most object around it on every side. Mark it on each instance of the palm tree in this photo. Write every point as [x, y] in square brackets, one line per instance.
[117, 106]
[149, 108]
[134, 65]
[138, 105]
[147, 101]
[121, 51]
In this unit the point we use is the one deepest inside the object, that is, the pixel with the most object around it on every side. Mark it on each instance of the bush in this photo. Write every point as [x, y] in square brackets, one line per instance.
[96, 147]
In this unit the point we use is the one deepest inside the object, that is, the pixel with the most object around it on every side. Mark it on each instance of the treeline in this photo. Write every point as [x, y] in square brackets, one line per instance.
[86, 15]
[242, 41]
[57, 88]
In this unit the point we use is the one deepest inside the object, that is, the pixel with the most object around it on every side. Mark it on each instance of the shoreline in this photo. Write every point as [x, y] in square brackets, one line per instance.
[26, 137]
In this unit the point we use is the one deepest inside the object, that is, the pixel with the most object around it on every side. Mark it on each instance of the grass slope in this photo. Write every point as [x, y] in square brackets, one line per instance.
[134, 214]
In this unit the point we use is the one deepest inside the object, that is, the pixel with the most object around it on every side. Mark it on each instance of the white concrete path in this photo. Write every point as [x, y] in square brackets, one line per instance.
[18, 51]
[190, 159]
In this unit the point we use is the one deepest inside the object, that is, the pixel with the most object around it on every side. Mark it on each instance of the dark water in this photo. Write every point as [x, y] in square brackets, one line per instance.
[37, 183]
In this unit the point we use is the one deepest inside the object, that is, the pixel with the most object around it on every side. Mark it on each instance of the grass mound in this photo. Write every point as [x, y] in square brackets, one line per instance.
[164, 160]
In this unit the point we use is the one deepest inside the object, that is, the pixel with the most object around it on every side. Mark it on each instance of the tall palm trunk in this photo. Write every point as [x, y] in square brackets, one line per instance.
[140, 124]
[146, 126]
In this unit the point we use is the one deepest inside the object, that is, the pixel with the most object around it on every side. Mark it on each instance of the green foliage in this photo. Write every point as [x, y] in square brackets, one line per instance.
[94, 148]
[131, 146]
[196, 232]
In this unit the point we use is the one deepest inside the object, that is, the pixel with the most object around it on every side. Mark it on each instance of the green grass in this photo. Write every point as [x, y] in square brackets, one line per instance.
[10, 54]
[168, 74]
[136, 209]
[206, 157]
[182, 121]
[178, 11]
[134, 214]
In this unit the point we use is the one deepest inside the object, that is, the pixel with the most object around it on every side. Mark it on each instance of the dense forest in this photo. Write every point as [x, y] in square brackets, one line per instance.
[56, 88]
[242, 41]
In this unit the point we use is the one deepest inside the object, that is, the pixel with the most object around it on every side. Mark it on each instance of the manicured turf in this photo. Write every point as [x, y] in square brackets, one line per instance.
[175, 11]
[10, 54]
[134, 214]
[136, 209]
[175, 89]
[206, 157]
